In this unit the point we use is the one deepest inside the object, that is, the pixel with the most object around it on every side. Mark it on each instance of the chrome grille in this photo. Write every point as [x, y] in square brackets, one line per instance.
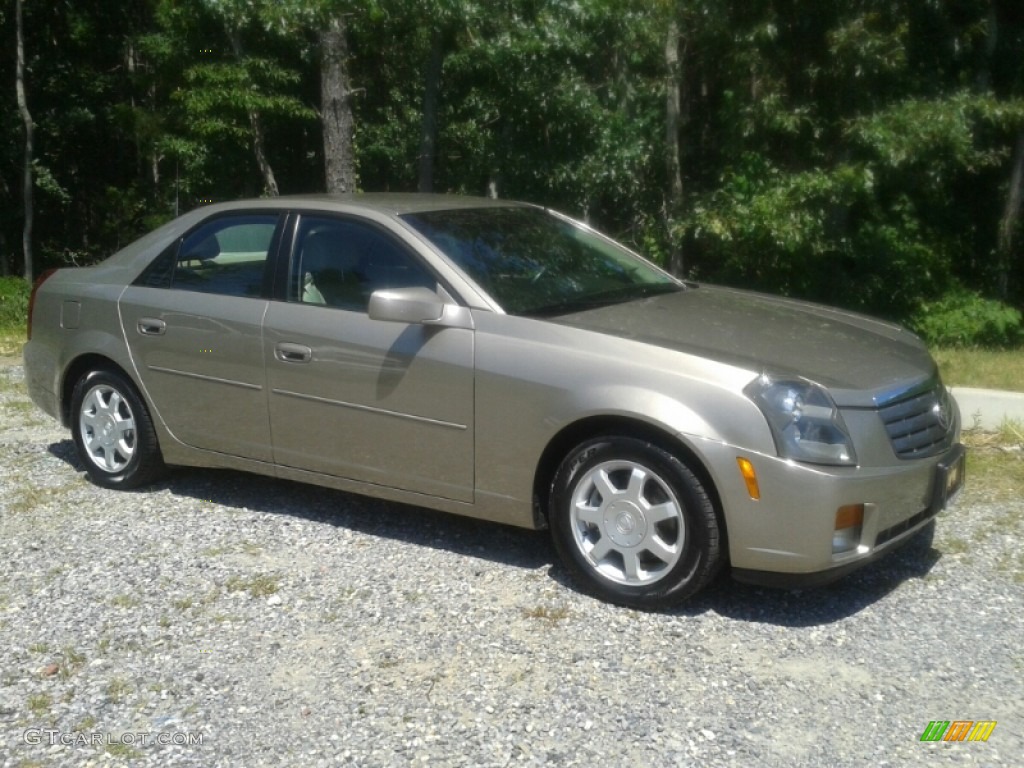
[920, 424]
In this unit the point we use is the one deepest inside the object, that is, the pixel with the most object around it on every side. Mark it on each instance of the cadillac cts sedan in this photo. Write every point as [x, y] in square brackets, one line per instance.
[502, 361]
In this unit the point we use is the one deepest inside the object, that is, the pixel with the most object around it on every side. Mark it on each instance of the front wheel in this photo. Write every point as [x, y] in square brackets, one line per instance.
[113, 431]
[633, 523]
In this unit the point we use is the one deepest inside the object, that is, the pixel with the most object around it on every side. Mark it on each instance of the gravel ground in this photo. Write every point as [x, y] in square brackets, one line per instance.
[286, 625]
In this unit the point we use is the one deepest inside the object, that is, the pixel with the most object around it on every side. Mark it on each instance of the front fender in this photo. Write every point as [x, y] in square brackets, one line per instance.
[529, 391]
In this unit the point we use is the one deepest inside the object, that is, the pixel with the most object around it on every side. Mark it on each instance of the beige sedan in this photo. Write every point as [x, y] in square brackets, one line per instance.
[501, 361]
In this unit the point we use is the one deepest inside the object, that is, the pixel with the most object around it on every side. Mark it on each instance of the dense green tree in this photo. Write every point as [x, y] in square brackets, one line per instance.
[235, 96]
[866, 152]
[235, 85]
[857, 168]
[78, 80]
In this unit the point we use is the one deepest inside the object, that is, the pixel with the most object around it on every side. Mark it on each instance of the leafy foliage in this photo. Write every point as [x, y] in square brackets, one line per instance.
[860, 153]
[14, 293]
[965, 319]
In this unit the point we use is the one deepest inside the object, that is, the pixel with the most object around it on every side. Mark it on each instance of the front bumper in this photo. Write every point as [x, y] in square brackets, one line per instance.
[823, 578]
[786, 537]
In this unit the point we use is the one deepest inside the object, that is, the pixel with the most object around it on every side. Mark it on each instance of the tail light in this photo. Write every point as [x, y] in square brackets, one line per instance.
[32, 297]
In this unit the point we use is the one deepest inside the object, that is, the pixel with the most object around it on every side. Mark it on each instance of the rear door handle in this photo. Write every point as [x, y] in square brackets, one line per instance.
[293, 353]
[152, 326]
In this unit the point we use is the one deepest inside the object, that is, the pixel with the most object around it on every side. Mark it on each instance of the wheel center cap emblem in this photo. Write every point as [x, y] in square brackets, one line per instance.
[624, 523]
[109, 430]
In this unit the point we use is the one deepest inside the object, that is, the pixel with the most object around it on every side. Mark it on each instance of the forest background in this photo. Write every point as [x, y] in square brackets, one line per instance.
[863, 153]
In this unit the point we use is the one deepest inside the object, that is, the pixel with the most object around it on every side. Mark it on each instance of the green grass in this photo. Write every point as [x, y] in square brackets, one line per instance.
[259, 585]
[29, 498]
[995, 474]
[246, 547]
[118, 690]
[8, 386]
[548, 613]
[182, 604]
[983, 368]
[11, 341]
[14, 293]
[122, 751]
[995, 462]
[39, 704]
[73, 661]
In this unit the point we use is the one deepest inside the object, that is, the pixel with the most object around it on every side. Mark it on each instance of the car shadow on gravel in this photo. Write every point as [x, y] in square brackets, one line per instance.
[805, 607]
[522, 548]
[821, 605]
[505, 544]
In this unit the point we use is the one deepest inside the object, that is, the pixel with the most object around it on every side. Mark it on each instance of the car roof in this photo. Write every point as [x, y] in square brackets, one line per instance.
[390, 203]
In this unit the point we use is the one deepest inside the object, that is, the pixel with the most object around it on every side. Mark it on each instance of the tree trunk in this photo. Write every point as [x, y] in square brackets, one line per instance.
[495, 179]
[258, 145]
[155, 155]
[336, 108]
[5, 265]
[26, 118]
[1010, 222]
[256, 123]
[673, 166]
[5, 270]
[431, 95]
[983, 81]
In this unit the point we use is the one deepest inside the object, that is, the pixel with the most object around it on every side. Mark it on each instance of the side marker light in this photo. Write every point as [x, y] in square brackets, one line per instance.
[749, 477]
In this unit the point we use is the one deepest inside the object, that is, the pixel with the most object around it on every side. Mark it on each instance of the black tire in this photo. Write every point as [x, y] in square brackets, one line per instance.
[633, 523]
[113, 431]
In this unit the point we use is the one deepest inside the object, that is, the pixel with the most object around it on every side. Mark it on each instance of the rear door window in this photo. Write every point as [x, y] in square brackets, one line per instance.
[227, 256]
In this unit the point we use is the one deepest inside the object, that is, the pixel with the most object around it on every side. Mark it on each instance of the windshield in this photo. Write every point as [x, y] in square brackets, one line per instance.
[537, 264]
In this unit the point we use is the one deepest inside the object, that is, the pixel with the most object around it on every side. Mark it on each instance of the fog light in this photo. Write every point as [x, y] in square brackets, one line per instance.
[750, 478]
[849, 520]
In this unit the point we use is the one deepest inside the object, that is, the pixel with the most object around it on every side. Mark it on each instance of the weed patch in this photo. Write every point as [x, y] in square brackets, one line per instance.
[258, 586]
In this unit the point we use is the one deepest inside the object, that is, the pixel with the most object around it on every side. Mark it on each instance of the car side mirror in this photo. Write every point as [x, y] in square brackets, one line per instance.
[406, 305]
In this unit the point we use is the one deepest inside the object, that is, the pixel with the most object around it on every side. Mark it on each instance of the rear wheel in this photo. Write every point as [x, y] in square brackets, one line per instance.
[113, 431]
[633, 523]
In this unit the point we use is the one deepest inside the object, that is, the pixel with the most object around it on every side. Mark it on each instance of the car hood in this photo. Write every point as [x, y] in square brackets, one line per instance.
[862, 361]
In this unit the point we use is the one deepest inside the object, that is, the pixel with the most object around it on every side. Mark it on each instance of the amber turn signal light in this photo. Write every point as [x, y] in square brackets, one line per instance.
[749, 477]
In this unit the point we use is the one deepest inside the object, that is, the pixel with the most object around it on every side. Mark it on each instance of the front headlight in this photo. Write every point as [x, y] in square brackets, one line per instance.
[804, 420]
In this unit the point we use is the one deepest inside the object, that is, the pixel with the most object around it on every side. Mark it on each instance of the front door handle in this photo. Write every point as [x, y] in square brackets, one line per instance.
[293, 353]
[152, 326]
